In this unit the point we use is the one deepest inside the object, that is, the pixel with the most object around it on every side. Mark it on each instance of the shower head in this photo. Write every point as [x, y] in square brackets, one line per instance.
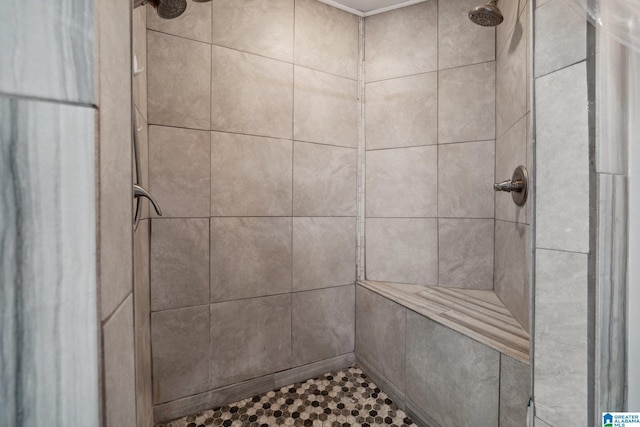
[169, 9]
[487, 15]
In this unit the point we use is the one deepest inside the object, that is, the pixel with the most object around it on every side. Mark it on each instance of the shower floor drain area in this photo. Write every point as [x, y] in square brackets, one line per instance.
[343, 398]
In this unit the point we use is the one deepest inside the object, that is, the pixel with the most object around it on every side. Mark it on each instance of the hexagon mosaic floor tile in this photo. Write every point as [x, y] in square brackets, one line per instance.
[337, 399]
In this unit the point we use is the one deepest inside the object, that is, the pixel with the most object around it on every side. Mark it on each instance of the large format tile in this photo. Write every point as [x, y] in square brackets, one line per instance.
[324, 252]
[456, 381]
[114, 156]
[511, 281]
[48, 254]
[263, 27]
[460, 41]
[250, 175]
[513, 26]
[512, 79]
[466, 103]
[465, 180]
[249, 338]
[402, 112]
[250, 257]
[194, 23]
[180, 352]
[403, 250]
[402, 182]
[562, 157]
[465, 253]
[119, 367]
[179, 262]
[560, 37]
[323, 323]
[515, 389]
[179, 171]
[179, 81]
[402, 42]
[325, 108]
[380, 335]
[324, 180]
[511, 152]
[48, 48]
[251, 94]
[139, 37]
[142, 321]
[143, 141]
[561, 331]
[326, 38]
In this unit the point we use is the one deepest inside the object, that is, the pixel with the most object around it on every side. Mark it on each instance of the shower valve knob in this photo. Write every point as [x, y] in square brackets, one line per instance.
[518, 185]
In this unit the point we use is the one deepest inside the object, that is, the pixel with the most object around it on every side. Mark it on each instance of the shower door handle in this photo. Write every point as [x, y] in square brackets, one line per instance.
[141, 192]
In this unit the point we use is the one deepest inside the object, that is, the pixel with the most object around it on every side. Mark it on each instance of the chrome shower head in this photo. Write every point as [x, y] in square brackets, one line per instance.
[169, 9]
[487, 15]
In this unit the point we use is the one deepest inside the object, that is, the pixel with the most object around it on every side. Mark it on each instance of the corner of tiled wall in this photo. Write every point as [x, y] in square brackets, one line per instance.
[562, 224]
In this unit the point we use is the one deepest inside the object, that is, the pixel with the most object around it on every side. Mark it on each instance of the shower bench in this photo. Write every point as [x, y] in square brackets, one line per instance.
[447, 356]
[478, 314]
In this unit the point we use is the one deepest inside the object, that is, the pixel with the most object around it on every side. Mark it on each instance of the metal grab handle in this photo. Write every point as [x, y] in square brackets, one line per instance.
[509, 186]
[141, 192]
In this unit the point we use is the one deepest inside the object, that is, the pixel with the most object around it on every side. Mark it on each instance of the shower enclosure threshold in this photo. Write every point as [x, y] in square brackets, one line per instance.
[478, 314]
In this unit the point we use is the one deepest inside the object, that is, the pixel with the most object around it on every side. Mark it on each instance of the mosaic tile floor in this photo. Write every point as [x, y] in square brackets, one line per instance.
[337, 399]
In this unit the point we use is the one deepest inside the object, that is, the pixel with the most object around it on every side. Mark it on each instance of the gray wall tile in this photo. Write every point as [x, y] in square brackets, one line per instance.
[179, 171]
[119, 367]
[179, 262]
[194, 23]
[513, 25]
[402, 112]
[560, 370]
[48, 49]
[325, 108]
[402, 250]
[512, 77]
[47, 251]
[466, 103]
[140, 50]
[460, 41]
[250, 257]
[180, 352]
[263, 27]
[539, 423]
[561, 37]
[402, 182]
[251, 94]
[380, 335]
[326, 38]
[511, 152]
[465, 253]
[402, 42]
[250, 175]
[178, 95]
[323, 323]
[510, 272]
[562, 156]
[456, 382]
[324, 180]
[465, 180]
[324, 252]
[249, 338]
[515, 389]
[143, 140]
[142, 321]
[114, 155]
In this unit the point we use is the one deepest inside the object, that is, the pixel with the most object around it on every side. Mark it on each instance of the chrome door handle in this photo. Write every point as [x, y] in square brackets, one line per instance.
[141, 192]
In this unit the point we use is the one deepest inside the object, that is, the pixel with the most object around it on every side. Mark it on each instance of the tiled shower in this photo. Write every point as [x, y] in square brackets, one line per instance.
[253, 155]
[295, 149]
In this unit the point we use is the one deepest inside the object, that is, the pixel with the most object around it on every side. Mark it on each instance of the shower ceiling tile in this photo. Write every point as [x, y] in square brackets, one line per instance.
[369, 5]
